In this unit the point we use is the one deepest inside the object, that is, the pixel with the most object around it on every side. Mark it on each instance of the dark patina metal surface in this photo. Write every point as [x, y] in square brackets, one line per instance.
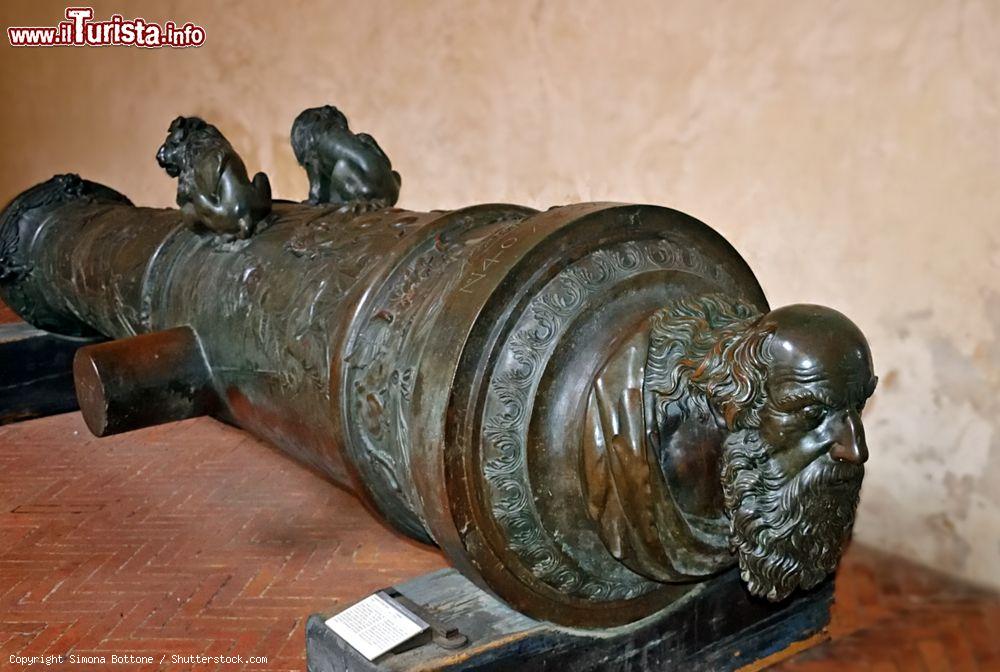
[589, 409]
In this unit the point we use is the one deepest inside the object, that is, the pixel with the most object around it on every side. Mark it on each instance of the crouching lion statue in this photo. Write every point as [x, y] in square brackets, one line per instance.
[343, 167]
[213, 190]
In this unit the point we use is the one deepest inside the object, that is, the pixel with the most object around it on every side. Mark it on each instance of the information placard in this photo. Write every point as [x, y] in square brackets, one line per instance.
[376, 625]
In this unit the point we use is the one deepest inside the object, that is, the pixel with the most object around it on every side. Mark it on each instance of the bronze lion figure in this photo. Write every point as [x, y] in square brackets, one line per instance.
[213, 190]
[343, 167]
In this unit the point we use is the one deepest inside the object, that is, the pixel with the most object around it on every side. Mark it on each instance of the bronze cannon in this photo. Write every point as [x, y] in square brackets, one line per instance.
[589, 409]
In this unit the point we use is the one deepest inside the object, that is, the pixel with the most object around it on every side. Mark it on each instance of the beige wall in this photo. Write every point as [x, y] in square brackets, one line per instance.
[850, 150]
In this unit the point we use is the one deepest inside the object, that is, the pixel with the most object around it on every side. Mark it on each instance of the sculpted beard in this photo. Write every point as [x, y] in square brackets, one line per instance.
[708, 357]
[788, 532]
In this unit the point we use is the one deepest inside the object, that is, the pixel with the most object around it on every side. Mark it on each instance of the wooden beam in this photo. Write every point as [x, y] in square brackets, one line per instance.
[36, 372]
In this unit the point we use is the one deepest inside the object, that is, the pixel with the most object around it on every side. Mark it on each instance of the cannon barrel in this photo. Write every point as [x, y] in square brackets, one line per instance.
[440, 364]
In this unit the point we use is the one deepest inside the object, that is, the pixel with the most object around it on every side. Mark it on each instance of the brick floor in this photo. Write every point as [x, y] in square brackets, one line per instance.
[189, 538]
[891, 615]
[7, 315]
[194, 538]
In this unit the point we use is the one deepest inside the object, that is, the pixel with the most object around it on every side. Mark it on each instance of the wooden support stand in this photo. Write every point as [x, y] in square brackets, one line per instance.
[36, 372]
[718, 626]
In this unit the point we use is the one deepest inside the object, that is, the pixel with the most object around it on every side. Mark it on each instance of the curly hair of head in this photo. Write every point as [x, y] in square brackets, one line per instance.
[706, 352]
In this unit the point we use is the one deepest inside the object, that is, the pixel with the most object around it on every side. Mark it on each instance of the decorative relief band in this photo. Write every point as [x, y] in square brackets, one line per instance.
[513, 385]
[386, 354]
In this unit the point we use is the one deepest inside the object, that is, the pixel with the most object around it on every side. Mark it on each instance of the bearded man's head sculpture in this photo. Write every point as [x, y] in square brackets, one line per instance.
[788, 387]
[753, 438]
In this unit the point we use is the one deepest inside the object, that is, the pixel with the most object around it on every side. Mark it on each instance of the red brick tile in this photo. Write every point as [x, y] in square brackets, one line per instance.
[187, 538]
[194, 538]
